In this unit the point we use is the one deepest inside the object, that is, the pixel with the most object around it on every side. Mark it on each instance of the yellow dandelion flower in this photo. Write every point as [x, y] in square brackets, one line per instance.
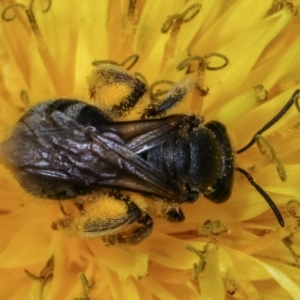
[237, 54]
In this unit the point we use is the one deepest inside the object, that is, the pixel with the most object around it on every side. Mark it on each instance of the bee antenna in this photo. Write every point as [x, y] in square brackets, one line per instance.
[273, 121]
[265, 195]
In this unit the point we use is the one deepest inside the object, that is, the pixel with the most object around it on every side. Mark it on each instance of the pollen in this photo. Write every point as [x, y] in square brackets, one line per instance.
[106, 207]
[97, 216]
[109, 94]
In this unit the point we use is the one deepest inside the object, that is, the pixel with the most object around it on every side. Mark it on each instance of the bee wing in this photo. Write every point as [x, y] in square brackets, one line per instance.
[134, 172]
[139, 136]
[57, 148]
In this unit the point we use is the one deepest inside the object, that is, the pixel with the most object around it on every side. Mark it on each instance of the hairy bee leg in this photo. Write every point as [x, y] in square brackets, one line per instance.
[165, 210]
[130, 101]
[172, 214]
[142, 230]
[98, 218]
[115, 218]
[175, 215]
[174, 96]
[117, 84]
[133, 234]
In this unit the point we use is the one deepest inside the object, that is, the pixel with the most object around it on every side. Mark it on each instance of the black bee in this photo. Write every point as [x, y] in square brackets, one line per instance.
[65, 148]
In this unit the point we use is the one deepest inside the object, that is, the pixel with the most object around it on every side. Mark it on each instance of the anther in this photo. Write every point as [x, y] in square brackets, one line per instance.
[205, 256]
[200, 266]
[261, 93]
[213, 227]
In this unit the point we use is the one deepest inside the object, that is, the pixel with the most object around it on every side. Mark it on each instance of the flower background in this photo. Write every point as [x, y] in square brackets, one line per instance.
[247, 254]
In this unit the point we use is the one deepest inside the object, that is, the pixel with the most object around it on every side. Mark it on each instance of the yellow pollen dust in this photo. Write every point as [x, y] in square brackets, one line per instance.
[138, 200]
[94, 218]
[112, 94]
[106, 207]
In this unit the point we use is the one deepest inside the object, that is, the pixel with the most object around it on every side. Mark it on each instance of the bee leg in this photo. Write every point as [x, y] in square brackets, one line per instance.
[174, 214]
[137, 230]
[133, 234]
[174, 96]
[165, 210]
[113, 217]
[128, 102]
[117, 84]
